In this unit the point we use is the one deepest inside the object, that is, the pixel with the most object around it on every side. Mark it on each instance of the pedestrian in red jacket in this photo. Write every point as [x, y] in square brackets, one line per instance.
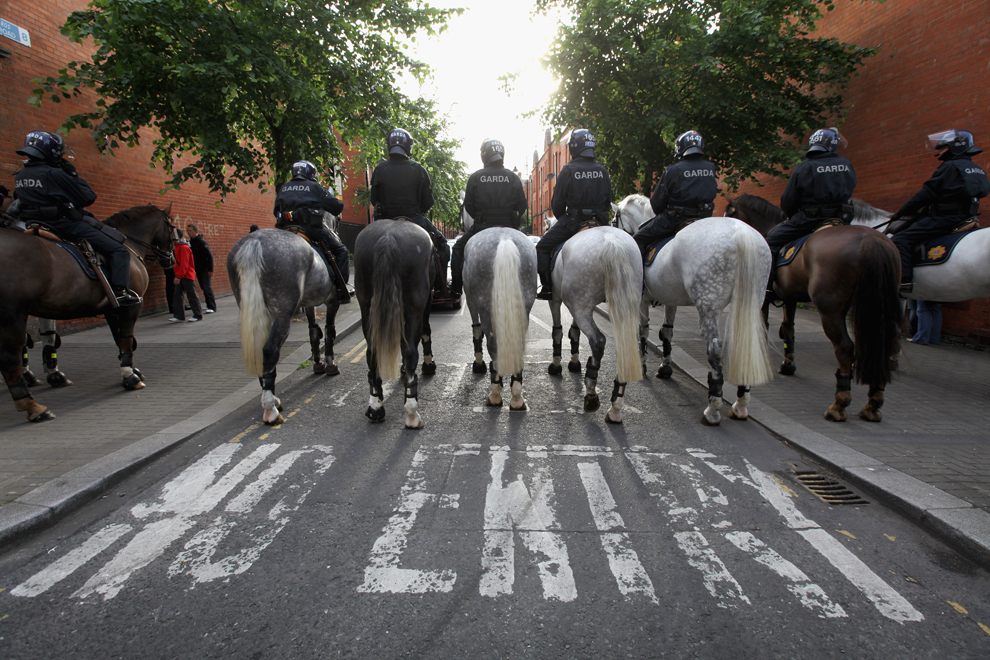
[185, 278]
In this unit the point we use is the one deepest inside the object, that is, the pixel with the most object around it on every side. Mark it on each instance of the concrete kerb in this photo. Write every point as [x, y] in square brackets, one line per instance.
[59, 497]
[953, 520]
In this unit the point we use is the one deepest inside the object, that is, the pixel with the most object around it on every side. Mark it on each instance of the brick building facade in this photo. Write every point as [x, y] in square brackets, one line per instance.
[544, 177]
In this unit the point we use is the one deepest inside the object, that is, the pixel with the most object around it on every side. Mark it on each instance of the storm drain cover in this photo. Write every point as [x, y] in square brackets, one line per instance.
[824, 487]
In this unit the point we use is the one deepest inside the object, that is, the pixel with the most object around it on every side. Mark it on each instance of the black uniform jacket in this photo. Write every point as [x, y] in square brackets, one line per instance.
[494, 196]
[958, 181]
[202, 257]
[400, 186]
[688, 183]
[300, 194]
[42, 184]
[822, 179]
[582, 184]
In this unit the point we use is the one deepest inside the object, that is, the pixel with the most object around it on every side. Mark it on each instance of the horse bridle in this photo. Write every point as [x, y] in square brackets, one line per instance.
[162, 256]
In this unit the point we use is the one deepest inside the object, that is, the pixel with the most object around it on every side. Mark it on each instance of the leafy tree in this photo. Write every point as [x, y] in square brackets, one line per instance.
[750, 75]
[245, 86]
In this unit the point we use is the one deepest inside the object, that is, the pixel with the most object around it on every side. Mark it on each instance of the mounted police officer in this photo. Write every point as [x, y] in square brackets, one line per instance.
[494, 197]
[301, 203]
[50, 191]
[820, 189]
[950, 197]
[401, 187]
[686, 191]
[582, 197]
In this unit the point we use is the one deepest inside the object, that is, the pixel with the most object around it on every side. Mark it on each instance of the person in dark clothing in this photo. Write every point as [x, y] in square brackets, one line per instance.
[301, 202]
[819, 189]
[50, 191]
[252, 229]
[582, 196]
[401, 187]
[494, 197]
[686, 191]
[950, 197]
[203, 259]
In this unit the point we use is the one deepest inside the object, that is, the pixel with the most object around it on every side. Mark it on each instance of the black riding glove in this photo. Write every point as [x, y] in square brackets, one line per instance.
[67, 167]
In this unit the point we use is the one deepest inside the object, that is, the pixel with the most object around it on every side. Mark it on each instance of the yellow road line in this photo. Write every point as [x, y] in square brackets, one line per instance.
[293, 412]
[957, 607]
[6, 615]
[985, 629]
[240, 436]
[354, 350]
[308, 400]
[359, 356]
[263, 437]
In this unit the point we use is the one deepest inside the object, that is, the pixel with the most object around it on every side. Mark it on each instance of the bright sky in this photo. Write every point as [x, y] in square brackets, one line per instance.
[491, 38]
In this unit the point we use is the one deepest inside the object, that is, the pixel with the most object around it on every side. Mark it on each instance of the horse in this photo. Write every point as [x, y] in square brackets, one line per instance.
[601, 264]
[394, 286]
[709, 264]
[841, 269]
[42, 279]
[274, 272]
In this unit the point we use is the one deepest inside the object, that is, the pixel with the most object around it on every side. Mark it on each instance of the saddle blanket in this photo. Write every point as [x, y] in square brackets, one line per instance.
[319, 252]
[654, 250]
[789, 251]
[81, 260]
[938, 250]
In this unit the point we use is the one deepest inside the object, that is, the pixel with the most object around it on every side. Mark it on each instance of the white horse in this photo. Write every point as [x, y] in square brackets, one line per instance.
[709, 264]
[597, 265]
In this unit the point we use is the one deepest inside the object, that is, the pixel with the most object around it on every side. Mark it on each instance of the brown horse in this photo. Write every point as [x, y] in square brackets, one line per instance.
[840, 270]
[42, 279]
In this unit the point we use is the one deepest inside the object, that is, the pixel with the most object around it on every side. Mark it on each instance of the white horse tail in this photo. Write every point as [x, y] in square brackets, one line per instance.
[623, 293]
[256, 320]
[746, 340]
[509, 320]
[386, 310]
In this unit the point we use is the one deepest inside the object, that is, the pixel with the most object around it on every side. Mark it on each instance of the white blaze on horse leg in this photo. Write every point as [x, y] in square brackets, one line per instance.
[48, 577]
[516, 401]
[630, 575]
[495, 395]
[711, 412]
[716, 577]
[413, 418]
[383, 574]
[270, 404]
[614, 413]
[739, 408]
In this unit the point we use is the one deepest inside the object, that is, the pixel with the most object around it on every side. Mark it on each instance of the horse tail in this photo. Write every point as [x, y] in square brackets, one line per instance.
[386, 311]
[509, 319]
[256, 319]
[876, 309]
[623, 293]
[746, 340]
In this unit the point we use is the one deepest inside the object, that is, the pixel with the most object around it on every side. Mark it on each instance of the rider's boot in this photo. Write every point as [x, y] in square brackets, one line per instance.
[546, 292]
[343, 295]
[125, 296]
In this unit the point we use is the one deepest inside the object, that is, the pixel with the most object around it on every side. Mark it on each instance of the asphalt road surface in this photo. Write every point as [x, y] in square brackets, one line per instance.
[488, 534]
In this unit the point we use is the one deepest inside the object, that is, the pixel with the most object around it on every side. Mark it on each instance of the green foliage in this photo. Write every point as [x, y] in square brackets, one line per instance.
[246, 87]
[748, 74]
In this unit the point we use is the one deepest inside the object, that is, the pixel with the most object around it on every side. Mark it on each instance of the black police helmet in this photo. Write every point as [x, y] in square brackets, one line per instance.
[958, 143]
[42, 145]
[689, 143]
[582, 143]
[400, 142]
[491, 151]
[304, 169]
[824, 139]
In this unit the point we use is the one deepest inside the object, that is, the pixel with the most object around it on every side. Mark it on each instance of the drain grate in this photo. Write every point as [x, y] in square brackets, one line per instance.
[826, 488]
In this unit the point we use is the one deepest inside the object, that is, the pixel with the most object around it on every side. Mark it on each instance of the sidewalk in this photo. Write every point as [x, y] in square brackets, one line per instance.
[194, 375]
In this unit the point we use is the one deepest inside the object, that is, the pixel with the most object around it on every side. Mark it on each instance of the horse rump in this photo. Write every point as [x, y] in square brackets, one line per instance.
[876, 309]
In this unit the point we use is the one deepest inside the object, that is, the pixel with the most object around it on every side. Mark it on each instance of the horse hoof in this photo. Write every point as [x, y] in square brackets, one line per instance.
[133, 382]
[835, 416]
[375, 415]
[415, 425]
[58, 379]
[870, 415]
[42, 416]
[521, 408]
[717, 421]
[738, 416]
[278, 406]
[555, 369]
[609, 420]
[333, 370]
[30, 379]
[479, 368]
[665, 371]
[491, 404]
[429, 368]
[788, 368]
[591, 402]
[319, 368]
[278, 419]
[574, 367]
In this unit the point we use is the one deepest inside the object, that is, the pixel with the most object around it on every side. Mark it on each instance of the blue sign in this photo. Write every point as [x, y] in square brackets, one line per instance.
[18, 34]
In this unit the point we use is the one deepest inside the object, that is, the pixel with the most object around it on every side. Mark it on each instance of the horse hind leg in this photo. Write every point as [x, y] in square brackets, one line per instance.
[709, 330]
[739, 410]
[478, 366]
[376, 408]
[410, 360]
[666, 369]
[121, 324]
[788, 367]
[871, 411]
[315, 339]
[329, 357]
[429, 366]
[29, 377]
[835, 328]
[494, 399]
[597, 340]
[614, 414]
[272, 350]
[516, 401]
[574, 334]
[11, 355]
[49, 354]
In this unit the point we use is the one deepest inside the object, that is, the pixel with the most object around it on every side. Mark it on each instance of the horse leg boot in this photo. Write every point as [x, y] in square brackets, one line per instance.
[666, 334]
[270, 355]
[315, 339]
[29, 377]
[478, 366]
[269, 402]
[843, 397]
[787, 367]
[574, 334]
[329, 357]
[121, 322]
[558, 339]
[738, 410]
[871, 411]
[494, 399]
[429, 366]
[376, 408]
[49, 355]
[516, 401]
[614, 414]
[10, 366]
[591, 400]
[711, 416]
[413, 418]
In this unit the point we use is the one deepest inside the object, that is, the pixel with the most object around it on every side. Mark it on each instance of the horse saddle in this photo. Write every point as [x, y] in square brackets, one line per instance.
[301, 233]
[81, 251]
[654, 248]
[938, 250]
[789, 251]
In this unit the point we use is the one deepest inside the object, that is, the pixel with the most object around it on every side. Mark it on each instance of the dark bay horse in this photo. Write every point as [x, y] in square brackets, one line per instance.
[841, 270]
[393, 276]
[42, 279]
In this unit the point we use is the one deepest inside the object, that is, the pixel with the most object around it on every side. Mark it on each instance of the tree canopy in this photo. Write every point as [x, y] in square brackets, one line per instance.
[246, 87]
[750, 75]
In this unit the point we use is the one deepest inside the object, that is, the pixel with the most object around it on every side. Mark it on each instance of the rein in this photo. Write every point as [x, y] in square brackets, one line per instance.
[160, 254]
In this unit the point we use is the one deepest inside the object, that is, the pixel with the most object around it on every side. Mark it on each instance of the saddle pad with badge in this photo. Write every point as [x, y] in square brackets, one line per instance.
[654, 250]
[298, 231]
[938, 250]
[81, 260]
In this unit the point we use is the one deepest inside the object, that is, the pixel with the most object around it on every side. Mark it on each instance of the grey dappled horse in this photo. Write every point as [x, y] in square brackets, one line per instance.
[709, 264]
[393, 278]
[273, 273]
[602, 264]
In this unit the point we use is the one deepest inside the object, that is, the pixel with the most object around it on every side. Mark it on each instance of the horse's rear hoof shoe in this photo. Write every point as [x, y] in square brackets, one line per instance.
[739, 417]
[319, 368]
[574, 367]
[133, 382]
[665, 371]
[521, 408]
[788, 368]
[835, 416]
[491, 404]
[708, 422]
[333, 370]
[610, 420]
[870, 415]
[555, 369]
[43, 416]
[429, 368]
[591, 402]
[58, 379]
[375, 415]
[479, 368]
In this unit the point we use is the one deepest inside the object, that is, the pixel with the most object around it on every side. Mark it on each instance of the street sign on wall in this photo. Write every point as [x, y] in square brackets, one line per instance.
[15, 33]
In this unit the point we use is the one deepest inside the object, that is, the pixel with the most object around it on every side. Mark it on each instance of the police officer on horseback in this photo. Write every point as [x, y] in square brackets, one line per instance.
[950, 197]
[819, 189]
[686, 191]
[301, 203]
[581, 198]
[494, 197]
[401, 187]
[51, 192]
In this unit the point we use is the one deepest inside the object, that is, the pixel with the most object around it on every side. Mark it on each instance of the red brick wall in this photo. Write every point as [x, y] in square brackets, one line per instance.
[930, 74]
[555, 156]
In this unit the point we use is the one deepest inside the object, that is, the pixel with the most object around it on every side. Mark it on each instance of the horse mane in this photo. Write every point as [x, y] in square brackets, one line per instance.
[129, 215]
[864, 214]
[761, 207]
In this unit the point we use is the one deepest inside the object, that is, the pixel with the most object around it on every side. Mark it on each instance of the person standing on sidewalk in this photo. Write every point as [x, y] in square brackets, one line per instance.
[185, 275]
[929, 323]
[203, 260]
